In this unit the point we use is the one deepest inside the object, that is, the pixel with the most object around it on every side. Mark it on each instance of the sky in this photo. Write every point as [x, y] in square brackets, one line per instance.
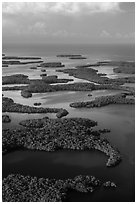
[68, 22]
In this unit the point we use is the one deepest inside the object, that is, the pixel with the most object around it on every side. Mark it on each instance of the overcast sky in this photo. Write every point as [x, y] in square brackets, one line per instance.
[68, 22]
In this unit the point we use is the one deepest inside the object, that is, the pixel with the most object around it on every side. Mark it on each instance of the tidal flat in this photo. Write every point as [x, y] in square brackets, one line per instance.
[76, 156]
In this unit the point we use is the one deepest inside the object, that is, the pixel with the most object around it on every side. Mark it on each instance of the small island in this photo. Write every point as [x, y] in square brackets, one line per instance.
[43, 70]
[6, 119]
[53, 79]
[68, 55]
[43, 75]
[37, 104]
[103, 101]
[20, 58]
[71, 56]
[52, 64]
[33, 67]
[5, 65]
[15, 79]
[75, 57]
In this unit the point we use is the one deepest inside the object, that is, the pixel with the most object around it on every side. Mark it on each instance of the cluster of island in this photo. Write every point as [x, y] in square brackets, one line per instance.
[90, 74]
[96, 80]
[60, 133]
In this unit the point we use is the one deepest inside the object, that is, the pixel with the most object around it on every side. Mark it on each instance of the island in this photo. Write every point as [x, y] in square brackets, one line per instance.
[37, 104]
[13, 88]
[8, 105]
[6, 119]
[25, 93]
[53, 134]
[52, 64]
[15, 79]
[20, 188]
[33, 67]
[71, 56]
[126, 68]
[54, 79]
[5, 65]
[43, 70]
[88, 65]
[17, 62]
[43, 75]
[68, 55]
[103, 101]
[19, 58]
[75, 57]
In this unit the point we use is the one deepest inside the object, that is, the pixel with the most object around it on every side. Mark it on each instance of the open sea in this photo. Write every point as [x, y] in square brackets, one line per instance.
[95, 52]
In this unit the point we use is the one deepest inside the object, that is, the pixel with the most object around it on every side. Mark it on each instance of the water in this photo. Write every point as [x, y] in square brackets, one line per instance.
[53, 100]
[108, 70]
[58, 98]
[71, 163]
[99, 52]
[78, 162]
[48, 53]
[120, 119]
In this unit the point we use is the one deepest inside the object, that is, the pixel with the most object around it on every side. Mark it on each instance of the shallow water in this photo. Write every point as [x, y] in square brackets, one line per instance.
[129, 85]
[12, 85]
[55, 100]
[35, 74]
[108, 70]
[16, 118]
[59, 98]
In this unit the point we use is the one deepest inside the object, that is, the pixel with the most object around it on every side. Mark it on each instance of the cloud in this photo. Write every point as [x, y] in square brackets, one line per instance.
[67, 8]
[68, 21]
[60, 33]
[127, 35]
[105, 34]
[70, 34]
[38, 27]
[43, 18]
